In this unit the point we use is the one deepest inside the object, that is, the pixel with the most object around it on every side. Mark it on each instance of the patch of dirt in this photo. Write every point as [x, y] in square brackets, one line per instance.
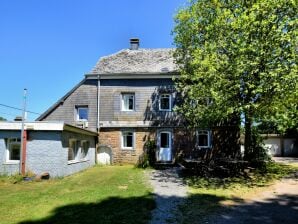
[277, 203]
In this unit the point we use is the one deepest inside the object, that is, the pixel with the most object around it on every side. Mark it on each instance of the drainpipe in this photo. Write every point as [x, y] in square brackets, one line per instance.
[98, 108]
[23, 138]
[98, 101]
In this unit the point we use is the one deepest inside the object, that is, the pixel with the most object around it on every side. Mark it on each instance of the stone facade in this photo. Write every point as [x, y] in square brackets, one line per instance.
[111, 137]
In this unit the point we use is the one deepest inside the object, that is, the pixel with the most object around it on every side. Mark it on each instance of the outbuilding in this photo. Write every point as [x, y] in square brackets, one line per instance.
[56, 148]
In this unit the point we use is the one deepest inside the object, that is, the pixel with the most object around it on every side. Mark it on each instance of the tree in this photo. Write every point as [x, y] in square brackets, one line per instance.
[238, 57]
[2, 119]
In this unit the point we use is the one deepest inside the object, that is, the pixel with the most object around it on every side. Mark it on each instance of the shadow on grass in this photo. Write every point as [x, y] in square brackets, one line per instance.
[111, 210]
[207, 208]
[257, 178]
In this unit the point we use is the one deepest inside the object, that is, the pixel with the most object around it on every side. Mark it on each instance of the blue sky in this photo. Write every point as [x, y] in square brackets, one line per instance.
[47, 46]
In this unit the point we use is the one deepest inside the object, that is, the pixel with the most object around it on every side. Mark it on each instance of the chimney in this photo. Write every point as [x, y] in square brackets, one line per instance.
[134, 43]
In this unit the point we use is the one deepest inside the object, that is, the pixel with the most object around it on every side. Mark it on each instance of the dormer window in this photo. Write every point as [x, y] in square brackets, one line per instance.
[128, 102]
[165, 102]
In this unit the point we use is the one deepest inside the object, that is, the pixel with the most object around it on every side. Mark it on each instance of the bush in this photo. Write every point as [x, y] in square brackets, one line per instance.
[148, 158]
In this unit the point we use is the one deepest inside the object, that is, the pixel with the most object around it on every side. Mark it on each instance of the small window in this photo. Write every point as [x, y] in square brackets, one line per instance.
[73, 150]
[203, 139]
[14, 149]
[128, 103]
[127, 140]
[84, 149]
[165, 102]
[82, 113]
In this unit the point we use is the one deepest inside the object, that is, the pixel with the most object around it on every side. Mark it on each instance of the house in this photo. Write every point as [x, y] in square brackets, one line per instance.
[53, 147]
[128, 98]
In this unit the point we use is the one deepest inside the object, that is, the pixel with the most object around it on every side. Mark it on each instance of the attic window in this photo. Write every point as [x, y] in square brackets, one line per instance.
[165, 102]
[82, 113]
[128, 102]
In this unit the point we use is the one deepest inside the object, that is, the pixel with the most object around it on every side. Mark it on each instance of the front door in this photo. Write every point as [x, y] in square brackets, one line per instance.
[165, 150]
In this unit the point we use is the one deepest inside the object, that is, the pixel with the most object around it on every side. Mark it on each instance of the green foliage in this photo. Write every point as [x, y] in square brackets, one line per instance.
[2, 119]
[148, 159]
[238, 57]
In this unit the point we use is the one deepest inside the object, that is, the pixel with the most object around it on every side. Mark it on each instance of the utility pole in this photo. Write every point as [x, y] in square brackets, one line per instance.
[23, 136]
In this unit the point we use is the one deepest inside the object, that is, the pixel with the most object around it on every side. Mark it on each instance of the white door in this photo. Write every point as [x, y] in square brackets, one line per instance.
[165, 150]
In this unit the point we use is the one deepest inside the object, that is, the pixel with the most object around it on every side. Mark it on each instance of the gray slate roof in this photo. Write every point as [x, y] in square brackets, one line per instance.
[137, 62]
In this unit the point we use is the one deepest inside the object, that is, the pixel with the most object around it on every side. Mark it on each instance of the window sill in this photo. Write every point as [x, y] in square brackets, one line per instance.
[165, 110]
[77, 161]
[127, 149]
[11, 162]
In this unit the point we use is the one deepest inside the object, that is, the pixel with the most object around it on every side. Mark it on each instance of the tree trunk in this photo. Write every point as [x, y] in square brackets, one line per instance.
[248, 137]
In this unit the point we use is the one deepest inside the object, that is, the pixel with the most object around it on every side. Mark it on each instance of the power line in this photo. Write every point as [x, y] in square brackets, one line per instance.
[31, 112]
[9, 114]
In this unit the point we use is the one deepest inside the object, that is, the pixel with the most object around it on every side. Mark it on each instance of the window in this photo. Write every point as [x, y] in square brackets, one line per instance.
[165, 102]
[84, 149]
[127, 140]
[82, 113]
[203, 139]
[128, 103]
[13, 149]
[73, 150]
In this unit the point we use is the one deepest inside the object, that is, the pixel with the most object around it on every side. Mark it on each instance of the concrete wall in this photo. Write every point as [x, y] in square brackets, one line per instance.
[47, 151]
[7, 168]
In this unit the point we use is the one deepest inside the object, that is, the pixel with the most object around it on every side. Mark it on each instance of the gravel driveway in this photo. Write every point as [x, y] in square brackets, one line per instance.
[170, 192]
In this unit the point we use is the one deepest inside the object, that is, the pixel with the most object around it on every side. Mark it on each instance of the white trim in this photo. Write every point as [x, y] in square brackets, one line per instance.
[122, 140]
[11, 142]
[208, 138]
[170, 102]
[123, 100]
[77, 111]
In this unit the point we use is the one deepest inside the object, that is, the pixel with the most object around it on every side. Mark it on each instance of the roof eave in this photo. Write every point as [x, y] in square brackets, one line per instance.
[139, 75]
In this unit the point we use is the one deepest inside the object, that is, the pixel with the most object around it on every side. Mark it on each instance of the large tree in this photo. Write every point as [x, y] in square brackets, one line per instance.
[238, 57]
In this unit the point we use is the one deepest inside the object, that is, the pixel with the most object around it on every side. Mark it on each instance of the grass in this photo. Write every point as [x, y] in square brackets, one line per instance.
[209, 195]
[115, 194]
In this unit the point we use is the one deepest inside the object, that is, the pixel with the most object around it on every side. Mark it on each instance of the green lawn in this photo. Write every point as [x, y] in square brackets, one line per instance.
[209, 195]
[114, 194]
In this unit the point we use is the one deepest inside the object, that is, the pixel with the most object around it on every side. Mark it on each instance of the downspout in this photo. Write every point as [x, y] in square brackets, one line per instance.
[98, 108]
[98, 101]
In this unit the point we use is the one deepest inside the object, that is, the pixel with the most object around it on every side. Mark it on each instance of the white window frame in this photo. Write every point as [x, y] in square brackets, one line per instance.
[204, 132]
[78, 108]
[125, 98]
[10, 143]
[83, 155]
[76, 150]
[123, 134]
[169, 96]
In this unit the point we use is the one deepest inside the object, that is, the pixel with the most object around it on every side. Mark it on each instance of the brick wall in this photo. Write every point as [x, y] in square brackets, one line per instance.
[112, 138]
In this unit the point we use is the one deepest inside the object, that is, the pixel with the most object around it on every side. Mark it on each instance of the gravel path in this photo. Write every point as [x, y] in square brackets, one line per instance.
[170, 191]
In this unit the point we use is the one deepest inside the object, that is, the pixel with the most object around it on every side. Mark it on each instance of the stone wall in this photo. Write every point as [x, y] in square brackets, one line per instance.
[111, 137]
